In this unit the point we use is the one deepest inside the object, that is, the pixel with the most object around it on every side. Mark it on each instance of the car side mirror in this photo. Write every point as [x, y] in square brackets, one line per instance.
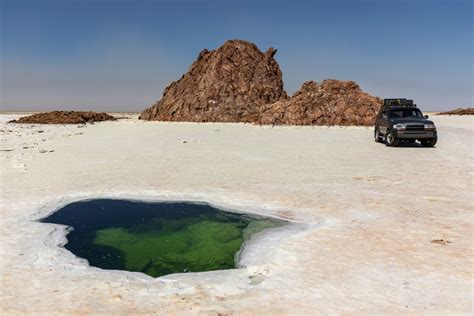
[426, 116]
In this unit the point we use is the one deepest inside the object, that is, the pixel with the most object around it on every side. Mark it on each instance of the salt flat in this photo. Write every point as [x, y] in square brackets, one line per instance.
[365, 217]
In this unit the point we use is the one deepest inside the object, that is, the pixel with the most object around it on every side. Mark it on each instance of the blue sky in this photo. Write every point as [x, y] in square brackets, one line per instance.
[118, 55]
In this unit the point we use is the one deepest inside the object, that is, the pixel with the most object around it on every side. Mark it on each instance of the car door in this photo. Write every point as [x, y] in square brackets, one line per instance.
[383, 124]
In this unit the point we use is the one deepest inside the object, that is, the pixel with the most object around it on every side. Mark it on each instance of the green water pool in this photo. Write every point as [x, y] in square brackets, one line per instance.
[157, 238]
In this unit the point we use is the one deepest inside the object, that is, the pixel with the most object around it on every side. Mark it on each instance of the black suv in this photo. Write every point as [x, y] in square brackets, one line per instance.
[399, 120]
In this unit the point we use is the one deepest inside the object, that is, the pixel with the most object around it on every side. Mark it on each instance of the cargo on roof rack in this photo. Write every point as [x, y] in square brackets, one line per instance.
[398, 102]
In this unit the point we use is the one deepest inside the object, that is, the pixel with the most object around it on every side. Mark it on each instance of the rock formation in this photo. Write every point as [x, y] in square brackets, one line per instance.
[239, 83]
[228, 84]
[332, 102]
[459, 111]
[64, 117]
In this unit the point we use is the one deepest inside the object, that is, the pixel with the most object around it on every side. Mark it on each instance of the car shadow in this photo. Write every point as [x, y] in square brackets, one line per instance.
[410, 145]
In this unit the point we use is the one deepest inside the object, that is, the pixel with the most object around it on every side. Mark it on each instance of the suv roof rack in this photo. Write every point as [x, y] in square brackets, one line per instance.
[399, 102]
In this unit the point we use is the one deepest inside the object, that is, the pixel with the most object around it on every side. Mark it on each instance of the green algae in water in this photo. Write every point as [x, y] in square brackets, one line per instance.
[156, 238]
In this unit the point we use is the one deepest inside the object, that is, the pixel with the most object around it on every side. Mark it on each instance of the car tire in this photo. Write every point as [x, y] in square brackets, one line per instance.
[377, 137]
[429, 142]
[391, 140]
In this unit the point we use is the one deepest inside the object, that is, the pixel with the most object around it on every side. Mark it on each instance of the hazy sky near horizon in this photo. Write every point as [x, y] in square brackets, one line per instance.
[119, 55]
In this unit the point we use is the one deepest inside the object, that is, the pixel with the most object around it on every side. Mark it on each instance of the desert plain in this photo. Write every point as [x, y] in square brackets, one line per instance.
[374, 229]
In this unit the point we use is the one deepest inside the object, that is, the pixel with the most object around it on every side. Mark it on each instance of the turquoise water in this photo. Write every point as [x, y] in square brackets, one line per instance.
[156, 238]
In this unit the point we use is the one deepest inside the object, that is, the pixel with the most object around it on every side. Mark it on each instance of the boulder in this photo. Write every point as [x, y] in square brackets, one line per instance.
[331, 102]
[228, 84]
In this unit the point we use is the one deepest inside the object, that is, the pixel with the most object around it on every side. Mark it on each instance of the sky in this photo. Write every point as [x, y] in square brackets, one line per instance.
[119, 55]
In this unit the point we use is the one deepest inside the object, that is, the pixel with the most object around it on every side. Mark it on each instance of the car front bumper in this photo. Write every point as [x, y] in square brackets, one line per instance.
[415, 134]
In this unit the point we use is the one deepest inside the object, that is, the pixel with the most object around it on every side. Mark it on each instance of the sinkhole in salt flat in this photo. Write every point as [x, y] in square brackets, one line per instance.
[156, 238]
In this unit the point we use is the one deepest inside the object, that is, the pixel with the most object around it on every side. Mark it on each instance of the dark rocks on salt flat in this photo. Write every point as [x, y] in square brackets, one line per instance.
[459, 111]
[65, 117]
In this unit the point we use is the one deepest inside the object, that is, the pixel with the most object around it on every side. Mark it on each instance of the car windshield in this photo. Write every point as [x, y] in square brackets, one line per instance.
[401, 113]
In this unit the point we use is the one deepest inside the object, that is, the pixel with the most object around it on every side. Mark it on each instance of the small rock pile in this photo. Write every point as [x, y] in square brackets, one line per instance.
[459, 111]
[65, 117]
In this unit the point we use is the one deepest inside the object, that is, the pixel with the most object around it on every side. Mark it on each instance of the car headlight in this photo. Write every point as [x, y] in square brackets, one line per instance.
[399, 126]
[430, 126]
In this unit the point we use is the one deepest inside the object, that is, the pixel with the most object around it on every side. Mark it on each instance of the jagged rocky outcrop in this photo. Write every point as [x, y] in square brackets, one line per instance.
[331, 102]
[228, 84]
[65, 117]
[459, 111]
[239, 83]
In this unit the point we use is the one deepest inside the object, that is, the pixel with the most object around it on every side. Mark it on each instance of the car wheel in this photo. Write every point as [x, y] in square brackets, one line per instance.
[391, 140]
[377, 137]
[429, 142]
